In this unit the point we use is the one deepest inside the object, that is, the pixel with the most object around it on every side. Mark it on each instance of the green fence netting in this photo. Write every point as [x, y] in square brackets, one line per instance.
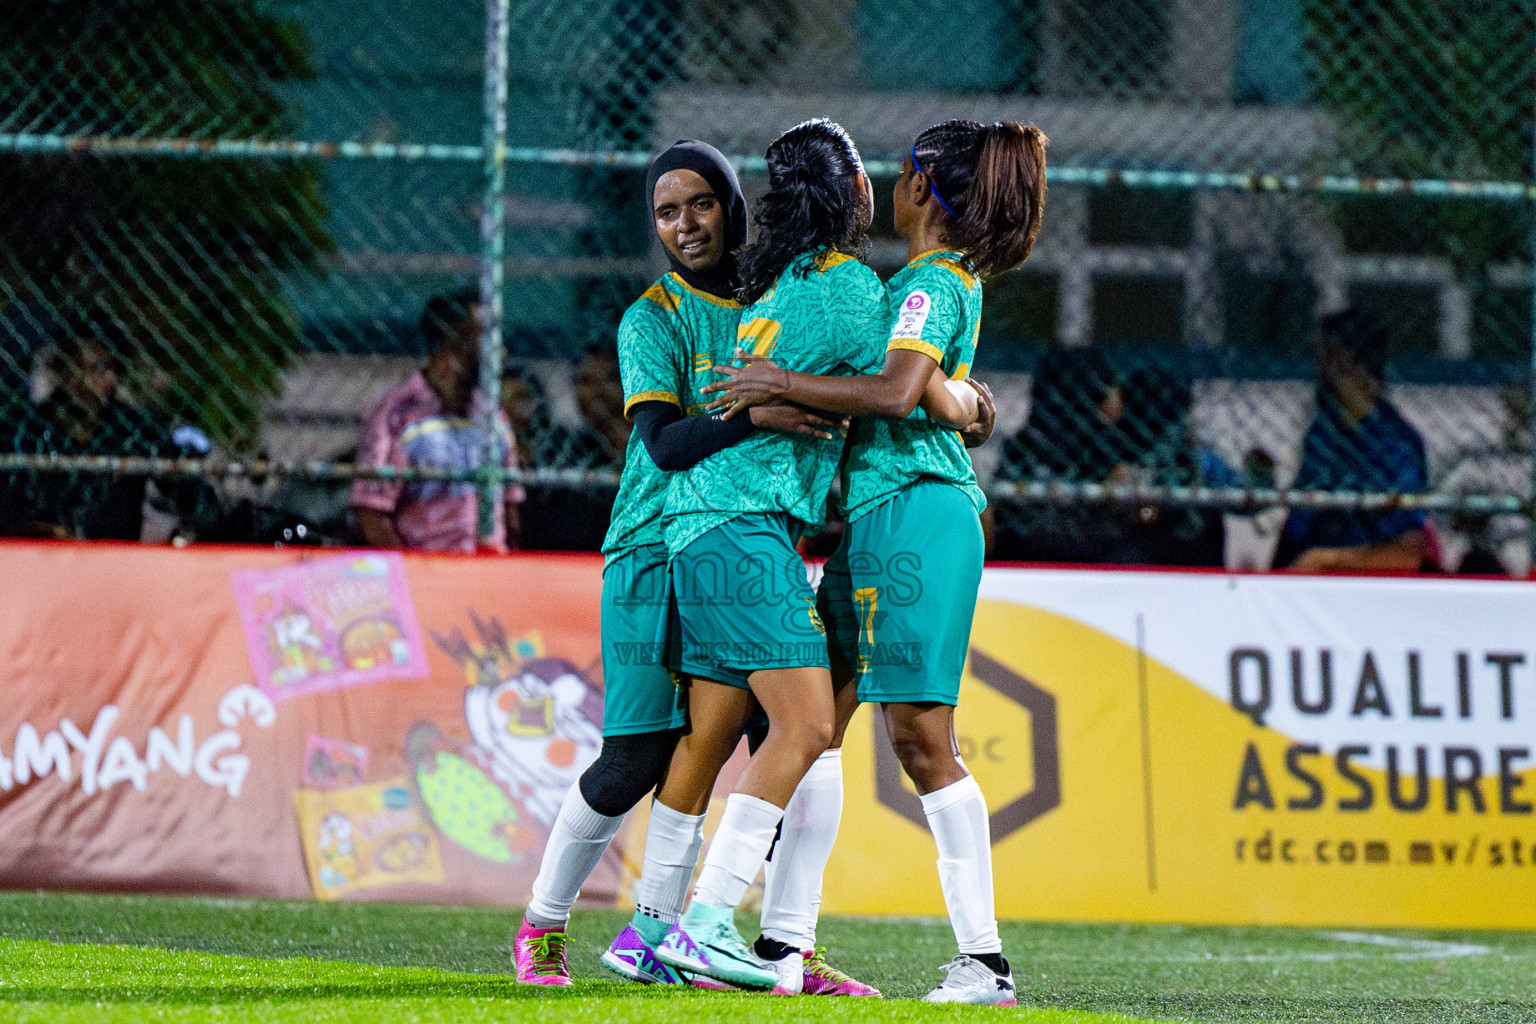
[229, 216]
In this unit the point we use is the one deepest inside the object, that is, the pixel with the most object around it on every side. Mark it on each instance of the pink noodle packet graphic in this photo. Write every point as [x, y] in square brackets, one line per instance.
[329, 623]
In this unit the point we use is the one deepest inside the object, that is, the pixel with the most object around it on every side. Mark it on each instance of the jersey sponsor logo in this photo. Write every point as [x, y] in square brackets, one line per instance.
[703, 361]
[810, 607]
[913, 315]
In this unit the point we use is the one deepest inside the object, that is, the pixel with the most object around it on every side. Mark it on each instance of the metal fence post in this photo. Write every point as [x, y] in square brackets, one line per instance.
[1529, 496]
[492, 251]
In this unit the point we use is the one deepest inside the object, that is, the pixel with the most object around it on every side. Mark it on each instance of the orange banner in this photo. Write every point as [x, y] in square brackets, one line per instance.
[292, 724]
[1153, 746]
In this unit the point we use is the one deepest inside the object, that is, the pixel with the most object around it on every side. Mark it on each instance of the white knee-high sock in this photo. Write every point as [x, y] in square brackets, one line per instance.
[792, 876]
[737, 850]
[576, 844]
[672, 843]
[957, 815]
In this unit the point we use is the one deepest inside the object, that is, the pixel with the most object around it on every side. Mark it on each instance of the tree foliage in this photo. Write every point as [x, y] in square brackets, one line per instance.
[186, 254]
[1429, 89]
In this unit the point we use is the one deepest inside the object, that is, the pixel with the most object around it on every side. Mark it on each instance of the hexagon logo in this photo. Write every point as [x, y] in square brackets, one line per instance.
[1015, 710]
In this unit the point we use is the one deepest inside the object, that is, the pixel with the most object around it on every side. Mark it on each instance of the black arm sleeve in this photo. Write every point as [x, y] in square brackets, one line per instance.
[674, 441]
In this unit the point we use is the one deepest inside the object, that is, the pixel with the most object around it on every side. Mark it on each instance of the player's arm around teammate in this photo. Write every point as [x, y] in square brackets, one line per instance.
[699, 216]
[969, 201]
[815, 304]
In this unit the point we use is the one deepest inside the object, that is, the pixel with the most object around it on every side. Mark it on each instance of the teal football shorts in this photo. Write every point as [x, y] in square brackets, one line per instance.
[639, 693]
[743, 602]
[899, 593]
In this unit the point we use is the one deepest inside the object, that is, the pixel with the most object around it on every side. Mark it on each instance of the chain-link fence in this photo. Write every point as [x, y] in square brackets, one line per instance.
[220, 225]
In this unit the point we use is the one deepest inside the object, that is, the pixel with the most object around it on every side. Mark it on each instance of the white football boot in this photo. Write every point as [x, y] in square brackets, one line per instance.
[790, 971]
[968, 980]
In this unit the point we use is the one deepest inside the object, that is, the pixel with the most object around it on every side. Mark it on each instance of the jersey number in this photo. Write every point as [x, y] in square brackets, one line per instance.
[758, 336]
[867, 601]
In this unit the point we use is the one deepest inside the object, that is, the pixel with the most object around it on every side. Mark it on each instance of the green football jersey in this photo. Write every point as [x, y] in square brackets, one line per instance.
[668, 340]
[825, 315]
[935, 307]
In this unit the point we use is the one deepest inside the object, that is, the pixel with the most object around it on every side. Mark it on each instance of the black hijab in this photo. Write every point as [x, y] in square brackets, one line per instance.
[708, 163]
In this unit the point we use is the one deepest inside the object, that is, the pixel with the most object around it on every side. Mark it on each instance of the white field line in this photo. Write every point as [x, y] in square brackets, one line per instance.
[1393, 948]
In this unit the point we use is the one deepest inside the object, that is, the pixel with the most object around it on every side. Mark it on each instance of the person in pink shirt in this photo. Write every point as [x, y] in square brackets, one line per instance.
[435, 419]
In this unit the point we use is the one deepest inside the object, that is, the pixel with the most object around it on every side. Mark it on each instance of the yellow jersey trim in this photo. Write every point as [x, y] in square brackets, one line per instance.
[950, 260]
[966, 277]
[829, 259]
[713, 300]
[651, 396]
[762, 334]
[927, 253]
[917, 345]
[961, 371]
[661, 296]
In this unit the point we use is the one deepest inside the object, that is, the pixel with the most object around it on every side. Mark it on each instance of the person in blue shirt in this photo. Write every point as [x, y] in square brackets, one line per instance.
[1357, 442]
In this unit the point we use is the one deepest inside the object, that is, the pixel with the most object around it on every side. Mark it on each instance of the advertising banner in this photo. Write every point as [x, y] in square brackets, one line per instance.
[277, 723]
[1153, 746]
[1230, 749]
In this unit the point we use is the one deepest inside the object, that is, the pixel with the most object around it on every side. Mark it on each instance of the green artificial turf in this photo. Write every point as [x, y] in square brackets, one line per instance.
[104, 958]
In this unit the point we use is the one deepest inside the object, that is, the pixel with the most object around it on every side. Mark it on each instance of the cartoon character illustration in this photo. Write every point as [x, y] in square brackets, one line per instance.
[298, 647]
[535, 719]
[332, 764]
[338, 856]
[462, 799]
[329, 623]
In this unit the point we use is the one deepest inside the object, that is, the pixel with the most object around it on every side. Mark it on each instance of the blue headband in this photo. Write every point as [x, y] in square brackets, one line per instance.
[918, 164]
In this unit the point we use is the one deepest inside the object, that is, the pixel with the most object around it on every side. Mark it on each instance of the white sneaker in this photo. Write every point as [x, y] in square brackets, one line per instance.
[790, 972]
[968, 980]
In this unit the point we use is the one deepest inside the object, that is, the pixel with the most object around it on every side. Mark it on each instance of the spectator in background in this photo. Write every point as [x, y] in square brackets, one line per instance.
[527, 410]
[1073, 435]
[23, 330]
[86, 415]
[1357, 442]
[600, 397]
[1484, 543]
[434, 420]
[1161, 449]
[1249, 537]
[570, 516]
[1075, 404]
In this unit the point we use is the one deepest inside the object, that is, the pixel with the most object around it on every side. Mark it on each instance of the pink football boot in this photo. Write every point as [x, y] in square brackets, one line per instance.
[539, 954]
[822, 979]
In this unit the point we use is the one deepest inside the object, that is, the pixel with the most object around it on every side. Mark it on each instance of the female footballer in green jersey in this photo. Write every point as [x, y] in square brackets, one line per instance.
[667, 341]
[969, 201]
[746, 619]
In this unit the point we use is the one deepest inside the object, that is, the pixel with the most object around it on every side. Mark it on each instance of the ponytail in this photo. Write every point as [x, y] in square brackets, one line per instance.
[812, 204]
[990, 180]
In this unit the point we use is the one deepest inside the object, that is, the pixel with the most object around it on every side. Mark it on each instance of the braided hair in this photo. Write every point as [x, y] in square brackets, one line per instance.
[990, 180]
[812, 204]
